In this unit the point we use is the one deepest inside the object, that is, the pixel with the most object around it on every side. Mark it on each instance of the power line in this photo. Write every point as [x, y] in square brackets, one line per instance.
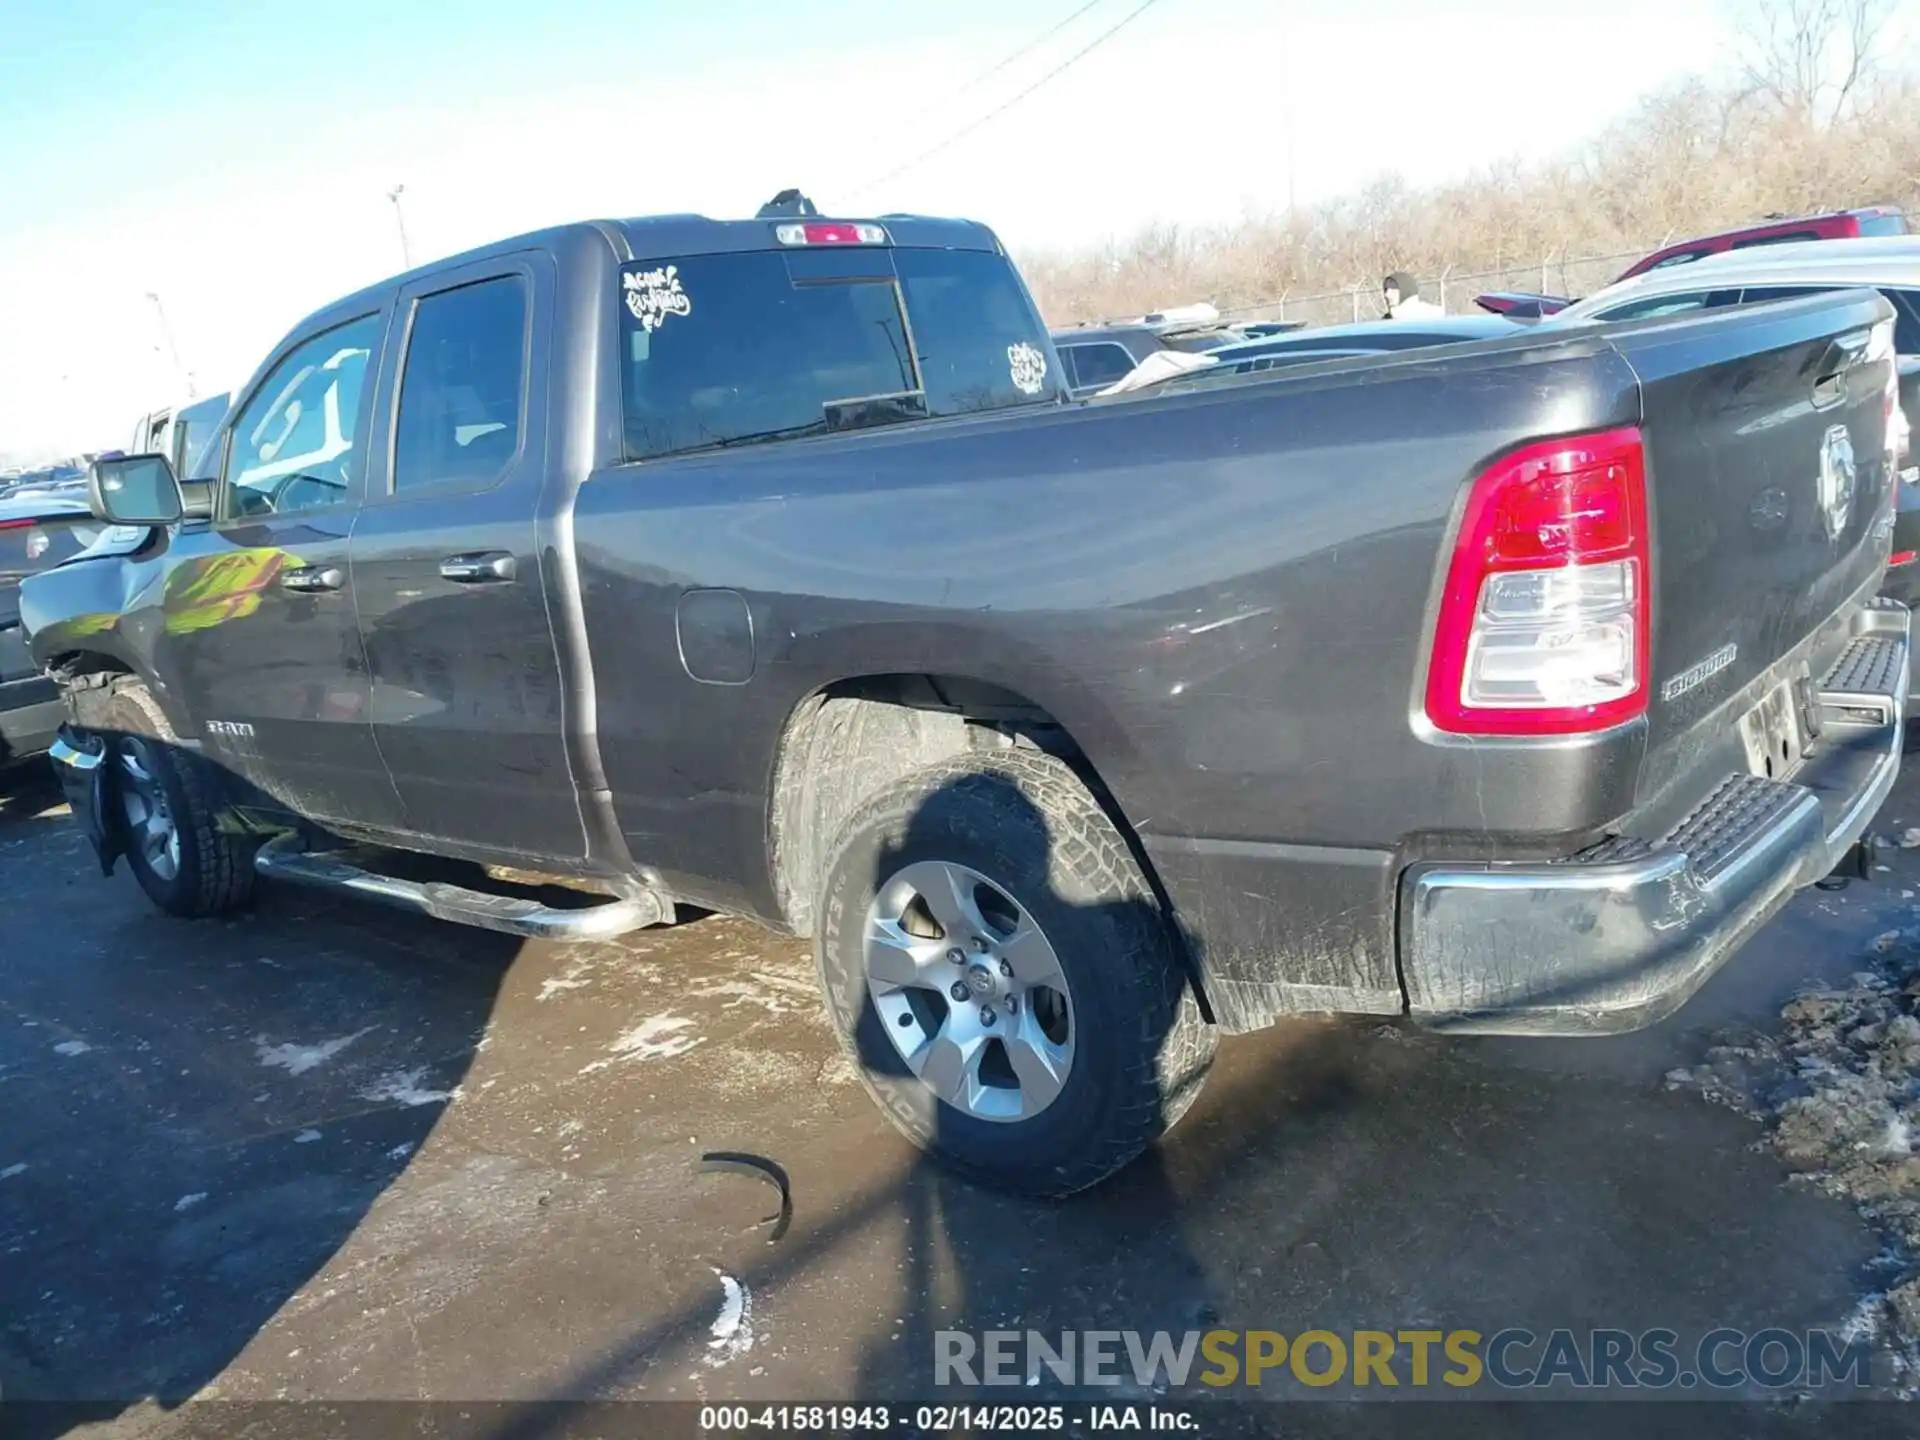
[1025, 49]
[999, 110]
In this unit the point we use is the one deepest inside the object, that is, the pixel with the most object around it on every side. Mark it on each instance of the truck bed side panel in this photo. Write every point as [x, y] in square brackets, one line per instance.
[1220, 595]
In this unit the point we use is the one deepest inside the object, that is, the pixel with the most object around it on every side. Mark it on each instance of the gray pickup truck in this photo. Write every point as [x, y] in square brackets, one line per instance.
[765, 566]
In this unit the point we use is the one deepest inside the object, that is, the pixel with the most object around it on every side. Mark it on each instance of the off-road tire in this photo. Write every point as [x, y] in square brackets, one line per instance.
[216, 873]
[1142, 1048]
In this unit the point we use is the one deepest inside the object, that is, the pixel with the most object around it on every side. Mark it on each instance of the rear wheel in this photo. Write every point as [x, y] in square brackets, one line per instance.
[168, 809]
[997, 969]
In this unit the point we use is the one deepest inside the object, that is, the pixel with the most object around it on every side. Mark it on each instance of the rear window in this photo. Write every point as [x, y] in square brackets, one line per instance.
[1890, 224]
[763, 345]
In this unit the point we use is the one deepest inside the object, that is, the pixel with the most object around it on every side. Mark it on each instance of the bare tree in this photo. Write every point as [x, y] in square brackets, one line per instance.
[1689, 160]
[1809, 58]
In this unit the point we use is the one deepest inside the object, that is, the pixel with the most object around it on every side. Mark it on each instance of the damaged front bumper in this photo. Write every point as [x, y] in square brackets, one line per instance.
[1619, 937]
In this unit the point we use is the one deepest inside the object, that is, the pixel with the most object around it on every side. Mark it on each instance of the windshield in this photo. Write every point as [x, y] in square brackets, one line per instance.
[761, 345]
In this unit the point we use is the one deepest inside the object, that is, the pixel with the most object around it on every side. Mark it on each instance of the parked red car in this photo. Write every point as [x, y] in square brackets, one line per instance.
[1779, 230]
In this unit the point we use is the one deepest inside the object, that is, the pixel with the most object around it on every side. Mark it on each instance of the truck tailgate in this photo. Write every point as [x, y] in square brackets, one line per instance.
[1769, 489]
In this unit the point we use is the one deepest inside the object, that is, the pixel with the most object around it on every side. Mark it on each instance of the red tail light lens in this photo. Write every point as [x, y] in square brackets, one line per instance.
[1545, 619]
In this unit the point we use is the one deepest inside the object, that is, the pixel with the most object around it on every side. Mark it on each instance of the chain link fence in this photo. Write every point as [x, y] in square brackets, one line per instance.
[1452, 289]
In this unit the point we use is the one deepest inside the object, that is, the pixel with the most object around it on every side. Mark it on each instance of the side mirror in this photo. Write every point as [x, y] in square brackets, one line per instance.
[134, 490]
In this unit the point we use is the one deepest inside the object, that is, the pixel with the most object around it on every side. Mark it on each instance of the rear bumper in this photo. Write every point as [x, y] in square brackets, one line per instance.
[30, 712]
[1619, 937]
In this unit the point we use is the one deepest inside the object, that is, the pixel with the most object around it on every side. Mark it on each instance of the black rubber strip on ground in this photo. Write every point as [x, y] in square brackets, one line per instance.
[733, 1162]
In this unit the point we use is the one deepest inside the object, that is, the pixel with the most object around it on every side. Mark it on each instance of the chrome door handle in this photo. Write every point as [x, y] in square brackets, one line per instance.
[485, 568]
[311, 578]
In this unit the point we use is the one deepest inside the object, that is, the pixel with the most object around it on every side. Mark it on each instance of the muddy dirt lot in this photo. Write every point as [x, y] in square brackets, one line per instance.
[323, 1151]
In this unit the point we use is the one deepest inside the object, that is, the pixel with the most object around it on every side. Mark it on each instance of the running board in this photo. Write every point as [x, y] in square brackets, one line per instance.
[285, 858]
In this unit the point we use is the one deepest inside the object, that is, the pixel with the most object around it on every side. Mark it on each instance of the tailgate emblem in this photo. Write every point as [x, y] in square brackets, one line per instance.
[1699, 673]
[1836, 480]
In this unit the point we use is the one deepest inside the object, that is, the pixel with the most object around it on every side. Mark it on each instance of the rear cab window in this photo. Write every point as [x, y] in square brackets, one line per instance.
[750, 346]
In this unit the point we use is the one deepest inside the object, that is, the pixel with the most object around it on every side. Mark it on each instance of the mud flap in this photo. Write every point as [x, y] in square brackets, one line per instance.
[88, 776]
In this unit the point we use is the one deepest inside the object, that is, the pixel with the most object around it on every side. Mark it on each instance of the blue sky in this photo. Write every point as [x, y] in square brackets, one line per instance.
[235, 159]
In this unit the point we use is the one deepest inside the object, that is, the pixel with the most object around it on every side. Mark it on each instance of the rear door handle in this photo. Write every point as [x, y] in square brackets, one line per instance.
[311, 578]
[487, 567]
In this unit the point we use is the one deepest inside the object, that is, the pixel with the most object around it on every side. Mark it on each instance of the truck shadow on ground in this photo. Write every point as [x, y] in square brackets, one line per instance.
[1338, 1176]
[27, 788]
[187, 1136]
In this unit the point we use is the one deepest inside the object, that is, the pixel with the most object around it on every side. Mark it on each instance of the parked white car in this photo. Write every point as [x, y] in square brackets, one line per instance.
[1889, 264]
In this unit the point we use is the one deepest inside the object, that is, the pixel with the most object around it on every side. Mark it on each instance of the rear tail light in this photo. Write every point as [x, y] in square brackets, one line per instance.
[1545, 618]
[829, 232]
[1902, 557]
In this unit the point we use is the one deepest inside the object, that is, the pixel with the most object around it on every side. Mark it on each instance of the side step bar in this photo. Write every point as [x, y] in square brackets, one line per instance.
[285, 858]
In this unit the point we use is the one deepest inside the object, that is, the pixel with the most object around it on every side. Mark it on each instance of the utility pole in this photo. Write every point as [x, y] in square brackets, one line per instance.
[406, 251]
[1286, 96]
[166, 333]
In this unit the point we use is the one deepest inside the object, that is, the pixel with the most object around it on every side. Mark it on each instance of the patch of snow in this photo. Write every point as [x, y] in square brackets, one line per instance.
[401, 1151]
[187, 1202]
[554, 984]
[299, 1059]
[1899, 1139]
[306, 1137]
[1866, 1321]
[1910, 838]
[659, 1037]
[13, 1170]
[732, 1328]
[72, 1047]
[407, 1087]
[1839, 1087]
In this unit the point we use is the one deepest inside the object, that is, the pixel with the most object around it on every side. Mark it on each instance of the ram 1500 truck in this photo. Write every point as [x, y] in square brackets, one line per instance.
[765, 566]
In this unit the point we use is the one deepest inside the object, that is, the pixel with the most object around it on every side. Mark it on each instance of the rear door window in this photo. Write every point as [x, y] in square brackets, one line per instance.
[764, 345]
[462, 388]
